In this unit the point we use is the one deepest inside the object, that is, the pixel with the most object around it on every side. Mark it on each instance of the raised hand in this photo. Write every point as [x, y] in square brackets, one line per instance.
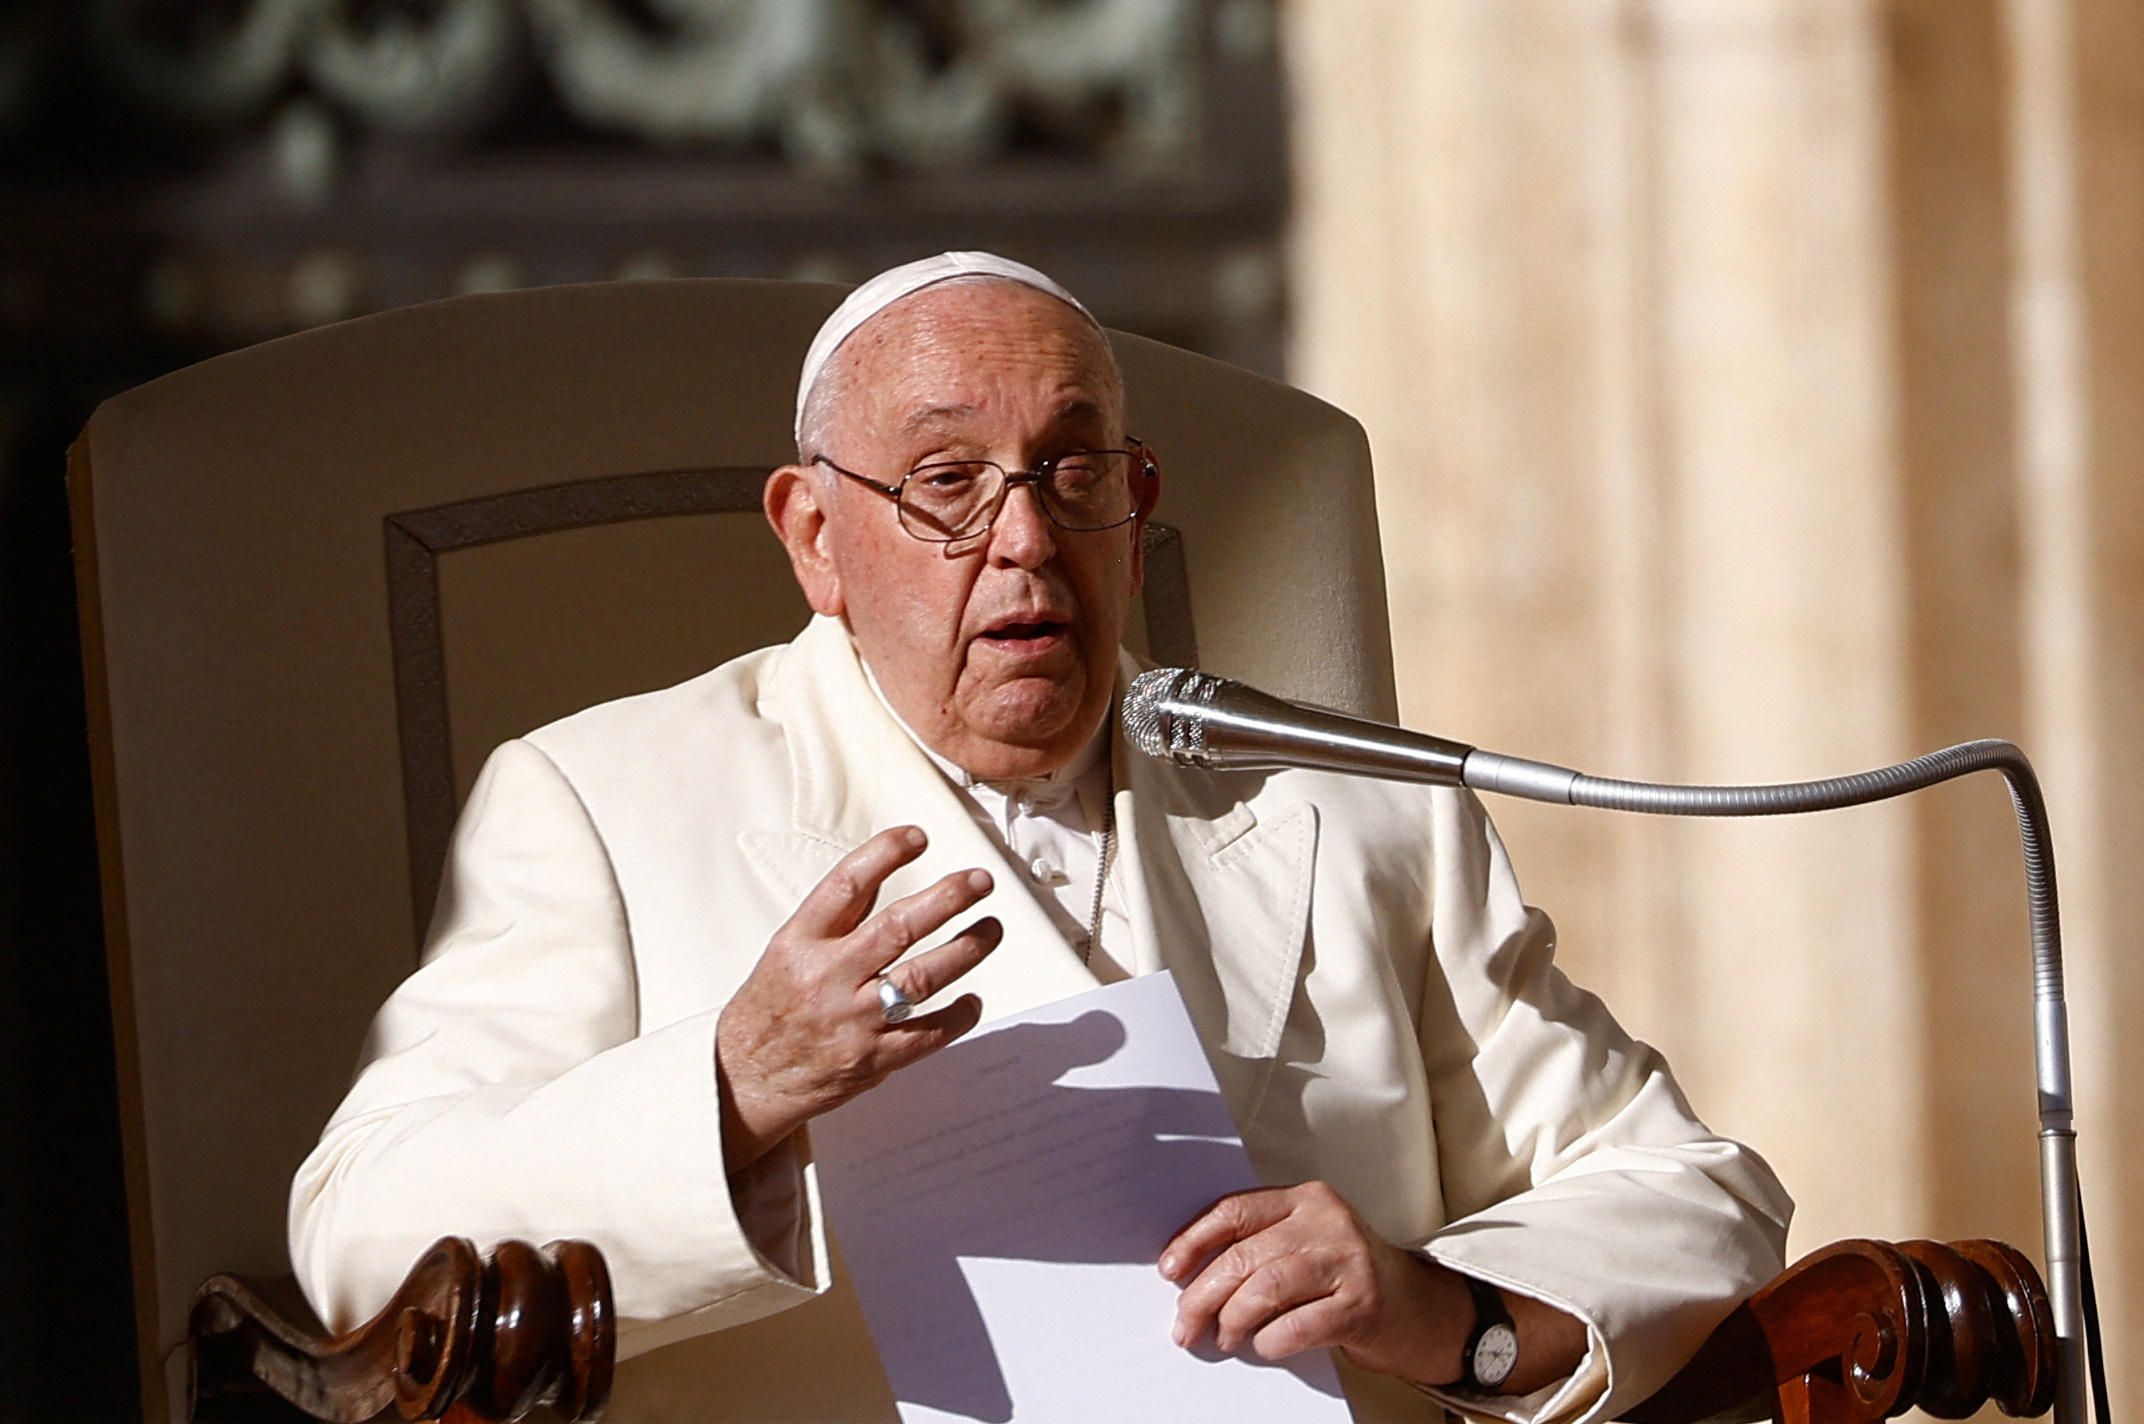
[805, 1032]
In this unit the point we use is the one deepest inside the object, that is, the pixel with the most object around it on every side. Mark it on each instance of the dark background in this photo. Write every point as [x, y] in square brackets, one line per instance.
[166, 193]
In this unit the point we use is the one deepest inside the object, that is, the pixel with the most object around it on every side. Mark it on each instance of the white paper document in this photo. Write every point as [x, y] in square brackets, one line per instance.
[1001, 1206]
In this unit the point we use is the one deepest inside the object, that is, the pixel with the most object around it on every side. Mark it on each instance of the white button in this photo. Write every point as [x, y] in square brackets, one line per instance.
[1044, 872]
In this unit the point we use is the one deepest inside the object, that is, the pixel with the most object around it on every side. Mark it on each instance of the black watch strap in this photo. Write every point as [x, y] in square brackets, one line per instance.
[1492, 1349]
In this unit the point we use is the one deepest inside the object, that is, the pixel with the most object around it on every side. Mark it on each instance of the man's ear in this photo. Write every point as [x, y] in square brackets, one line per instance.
[794, 503]
[1147, 489]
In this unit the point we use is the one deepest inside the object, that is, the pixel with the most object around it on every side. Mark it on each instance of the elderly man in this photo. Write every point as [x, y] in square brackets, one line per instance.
[678, 927]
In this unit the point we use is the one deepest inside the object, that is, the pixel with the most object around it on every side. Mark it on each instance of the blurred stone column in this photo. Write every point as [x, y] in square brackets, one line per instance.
[1606, 283]
[1758, 393]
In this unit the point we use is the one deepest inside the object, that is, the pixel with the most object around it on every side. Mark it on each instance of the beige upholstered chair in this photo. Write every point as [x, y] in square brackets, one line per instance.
[322, 577]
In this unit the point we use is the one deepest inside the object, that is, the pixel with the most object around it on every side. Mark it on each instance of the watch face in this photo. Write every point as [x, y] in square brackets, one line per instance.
[1495, 1353]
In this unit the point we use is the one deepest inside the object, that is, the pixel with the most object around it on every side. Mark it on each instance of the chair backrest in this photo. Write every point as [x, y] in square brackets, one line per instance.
[323, 576]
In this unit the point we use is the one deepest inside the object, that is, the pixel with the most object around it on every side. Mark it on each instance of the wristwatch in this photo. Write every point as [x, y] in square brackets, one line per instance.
[1492, 1350]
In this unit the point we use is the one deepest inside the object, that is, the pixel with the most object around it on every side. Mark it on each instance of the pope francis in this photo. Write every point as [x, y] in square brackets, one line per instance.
[677, 927]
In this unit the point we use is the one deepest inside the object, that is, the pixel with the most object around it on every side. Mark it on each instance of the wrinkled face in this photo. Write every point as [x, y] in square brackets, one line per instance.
[999, 650]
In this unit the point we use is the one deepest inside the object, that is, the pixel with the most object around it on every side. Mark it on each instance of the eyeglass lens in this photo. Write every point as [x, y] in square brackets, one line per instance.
[958, 500]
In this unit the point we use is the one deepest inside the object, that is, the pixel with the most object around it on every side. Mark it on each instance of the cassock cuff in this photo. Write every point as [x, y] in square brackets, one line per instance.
[770, 1253]
[1575, 1397]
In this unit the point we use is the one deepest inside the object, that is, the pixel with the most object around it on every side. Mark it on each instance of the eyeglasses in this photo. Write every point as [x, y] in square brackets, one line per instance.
[946, 502]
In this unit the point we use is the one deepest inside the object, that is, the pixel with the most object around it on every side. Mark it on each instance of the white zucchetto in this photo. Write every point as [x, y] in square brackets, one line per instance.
[890, 286]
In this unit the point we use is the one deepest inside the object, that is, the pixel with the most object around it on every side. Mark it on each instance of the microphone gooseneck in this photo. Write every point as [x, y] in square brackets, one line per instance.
[1193, 718]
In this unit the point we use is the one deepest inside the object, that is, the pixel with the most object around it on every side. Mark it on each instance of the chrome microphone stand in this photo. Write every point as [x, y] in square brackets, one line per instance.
[1196, 719]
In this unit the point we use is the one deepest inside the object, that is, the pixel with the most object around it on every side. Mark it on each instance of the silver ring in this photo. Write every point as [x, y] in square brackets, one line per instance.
[893, 1005]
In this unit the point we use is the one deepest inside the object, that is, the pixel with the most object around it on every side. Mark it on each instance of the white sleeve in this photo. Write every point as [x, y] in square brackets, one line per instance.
[1573, 1169]
[507, 1091]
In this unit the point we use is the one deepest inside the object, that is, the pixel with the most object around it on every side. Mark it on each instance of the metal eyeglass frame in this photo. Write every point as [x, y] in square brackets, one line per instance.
[1135, 450]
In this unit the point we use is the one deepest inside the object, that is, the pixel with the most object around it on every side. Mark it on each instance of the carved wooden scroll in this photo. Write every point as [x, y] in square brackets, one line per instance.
[469, 1338]
[1861, 1331]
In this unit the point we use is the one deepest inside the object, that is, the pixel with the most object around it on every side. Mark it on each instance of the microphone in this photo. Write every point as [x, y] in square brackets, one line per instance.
[1194, 719]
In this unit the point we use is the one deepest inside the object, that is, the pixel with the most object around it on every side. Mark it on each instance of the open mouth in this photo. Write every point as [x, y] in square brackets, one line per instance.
[1024, 632]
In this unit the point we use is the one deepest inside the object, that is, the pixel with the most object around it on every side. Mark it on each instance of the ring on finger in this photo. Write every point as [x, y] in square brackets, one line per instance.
[893, 1005]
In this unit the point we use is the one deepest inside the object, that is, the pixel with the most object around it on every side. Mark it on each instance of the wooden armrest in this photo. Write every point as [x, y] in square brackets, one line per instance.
[467, 1337]
[1863, 1330]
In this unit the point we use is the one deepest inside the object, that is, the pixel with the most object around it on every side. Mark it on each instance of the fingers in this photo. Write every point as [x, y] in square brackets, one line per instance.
[1227, 1221]
[1232, 1239]
[907, 921]
[1277, 1297]
[1265, 1304]
[838, 904]
[1321, 1322]
[916, 1038]
[841, 899]
[903, 1043]
[928, 973]
[1206, 1300]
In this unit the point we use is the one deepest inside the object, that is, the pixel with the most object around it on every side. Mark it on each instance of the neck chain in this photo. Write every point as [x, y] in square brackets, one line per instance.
[1101, 869]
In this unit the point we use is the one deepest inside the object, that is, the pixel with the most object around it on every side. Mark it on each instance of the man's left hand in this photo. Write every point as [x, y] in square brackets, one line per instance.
[1293, 1268]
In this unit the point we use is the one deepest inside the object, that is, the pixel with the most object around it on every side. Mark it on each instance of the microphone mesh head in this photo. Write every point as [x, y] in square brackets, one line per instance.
[1157, 720]
[1143, 715]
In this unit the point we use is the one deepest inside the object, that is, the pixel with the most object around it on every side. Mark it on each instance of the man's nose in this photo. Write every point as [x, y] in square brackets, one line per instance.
[1023, 535]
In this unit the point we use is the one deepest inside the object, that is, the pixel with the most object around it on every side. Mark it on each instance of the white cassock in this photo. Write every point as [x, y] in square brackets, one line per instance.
[1379, 1004]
